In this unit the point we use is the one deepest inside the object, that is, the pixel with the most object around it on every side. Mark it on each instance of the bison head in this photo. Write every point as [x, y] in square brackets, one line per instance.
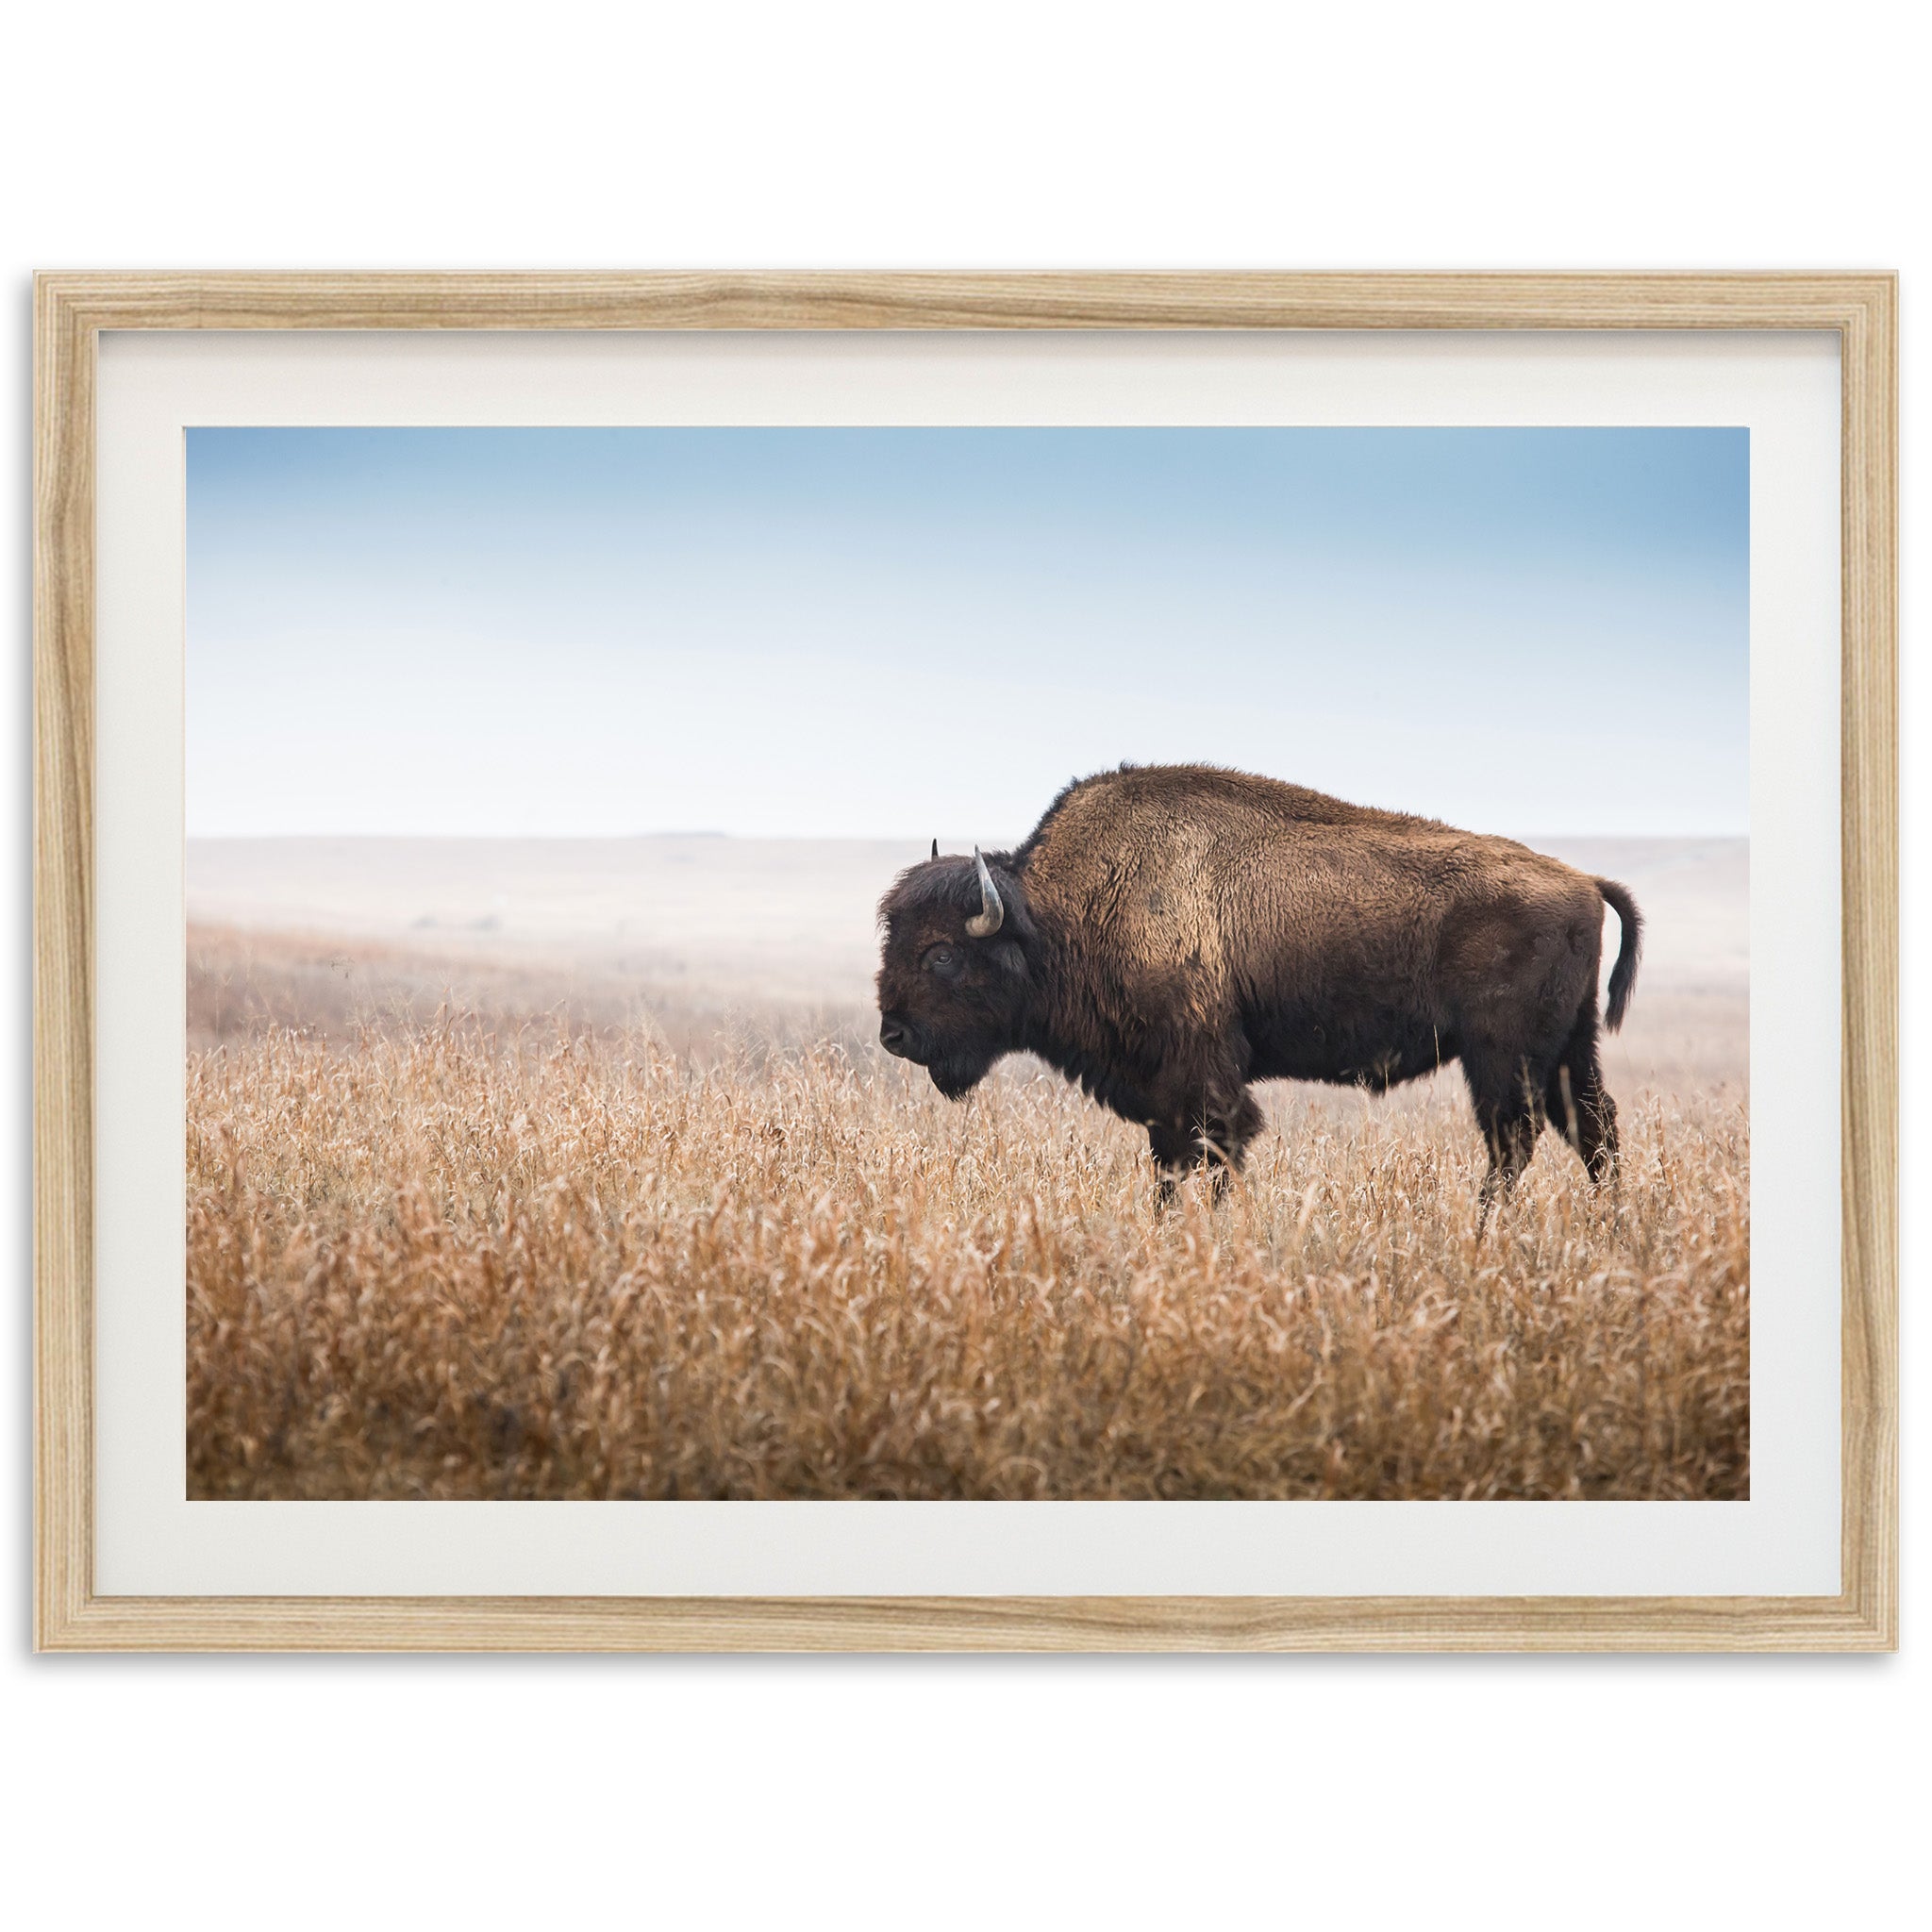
[956, 968]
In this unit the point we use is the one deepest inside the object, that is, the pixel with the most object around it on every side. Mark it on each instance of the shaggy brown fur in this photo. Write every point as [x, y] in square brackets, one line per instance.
[1170, 934]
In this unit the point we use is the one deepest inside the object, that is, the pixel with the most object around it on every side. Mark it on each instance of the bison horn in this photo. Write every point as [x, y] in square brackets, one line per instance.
[935, 848]
[986, 922]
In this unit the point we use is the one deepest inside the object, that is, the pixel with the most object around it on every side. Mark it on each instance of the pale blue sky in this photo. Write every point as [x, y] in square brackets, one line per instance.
[895, 632]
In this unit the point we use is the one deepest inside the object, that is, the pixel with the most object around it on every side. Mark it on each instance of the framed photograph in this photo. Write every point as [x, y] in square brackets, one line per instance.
[972, 962]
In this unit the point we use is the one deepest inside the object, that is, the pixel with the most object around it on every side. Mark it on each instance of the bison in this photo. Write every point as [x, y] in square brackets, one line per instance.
[1166, 935]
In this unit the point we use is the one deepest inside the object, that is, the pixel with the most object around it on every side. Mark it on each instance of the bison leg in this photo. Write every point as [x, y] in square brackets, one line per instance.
[1216, 1139]
[1174, 1150]
[1224, 1136]
[1579, 1108]
[1509, 1108]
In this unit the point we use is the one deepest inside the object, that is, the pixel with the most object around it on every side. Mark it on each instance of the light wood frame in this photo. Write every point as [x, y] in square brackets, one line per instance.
[71, 310]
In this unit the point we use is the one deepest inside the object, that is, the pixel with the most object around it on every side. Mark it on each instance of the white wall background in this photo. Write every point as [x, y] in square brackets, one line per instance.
[1355, 1791]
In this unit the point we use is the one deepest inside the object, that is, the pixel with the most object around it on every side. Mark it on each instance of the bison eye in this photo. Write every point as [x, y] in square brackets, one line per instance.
[944, 960]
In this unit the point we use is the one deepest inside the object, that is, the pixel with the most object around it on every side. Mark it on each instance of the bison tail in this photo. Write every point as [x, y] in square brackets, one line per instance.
[1623, 973]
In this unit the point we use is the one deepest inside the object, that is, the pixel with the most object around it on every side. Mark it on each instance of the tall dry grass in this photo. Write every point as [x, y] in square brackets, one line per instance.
[447, 1262]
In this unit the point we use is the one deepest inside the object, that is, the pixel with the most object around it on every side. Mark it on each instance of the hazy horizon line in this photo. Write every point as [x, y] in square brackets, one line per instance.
[961, 845]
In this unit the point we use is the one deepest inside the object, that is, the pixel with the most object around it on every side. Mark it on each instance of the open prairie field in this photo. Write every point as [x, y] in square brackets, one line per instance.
[524, 1172]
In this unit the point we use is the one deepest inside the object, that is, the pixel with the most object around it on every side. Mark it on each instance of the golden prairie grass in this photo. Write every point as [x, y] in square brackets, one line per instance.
[452, 1262]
